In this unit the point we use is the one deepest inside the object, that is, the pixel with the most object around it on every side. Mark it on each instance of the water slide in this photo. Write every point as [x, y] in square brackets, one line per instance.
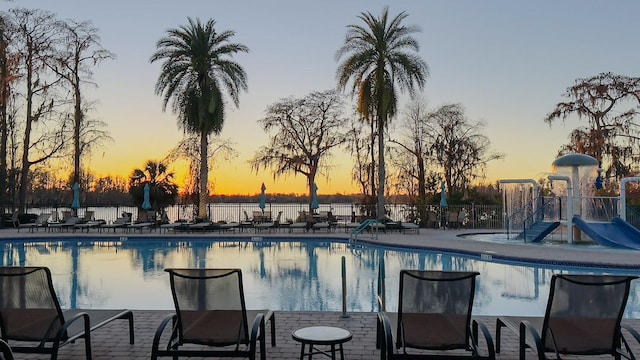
[618, 233]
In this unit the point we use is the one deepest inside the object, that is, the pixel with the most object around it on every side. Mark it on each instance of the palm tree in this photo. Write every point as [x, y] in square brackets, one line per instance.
[197, 70]
[380, 56]
[163, 190]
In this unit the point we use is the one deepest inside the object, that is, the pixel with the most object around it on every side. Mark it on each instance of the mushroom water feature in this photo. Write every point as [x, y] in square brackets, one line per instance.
[532, 216]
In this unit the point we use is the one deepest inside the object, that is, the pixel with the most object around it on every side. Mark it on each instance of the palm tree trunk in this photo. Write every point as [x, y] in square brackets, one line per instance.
[204, 176]
[381, 166]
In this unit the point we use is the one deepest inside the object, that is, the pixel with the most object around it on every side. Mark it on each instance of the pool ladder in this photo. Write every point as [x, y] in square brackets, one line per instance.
[369, 223]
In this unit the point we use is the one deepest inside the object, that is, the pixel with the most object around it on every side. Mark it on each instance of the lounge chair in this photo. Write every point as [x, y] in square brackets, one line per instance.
[210, 310]
[582, 317]
[5, 351]
[119, 223]
[91, 224]
[41, 221]
[178, 225]
[88, 216]
[407, 226]
[32, 321]
[202, 226]
[434, 314]
[69, 224]
[269, 225]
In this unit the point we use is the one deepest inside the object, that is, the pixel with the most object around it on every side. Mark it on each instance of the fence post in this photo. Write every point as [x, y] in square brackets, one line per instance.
[344, 288]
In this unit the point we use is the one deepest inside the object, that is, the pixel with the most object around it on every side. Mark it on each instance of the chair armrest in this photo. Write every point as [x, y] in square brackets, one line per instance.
[535, 342]
[258, 330]
[386, 346]
[160, 330]
[626, 349]
[487, 338]
[68, 322]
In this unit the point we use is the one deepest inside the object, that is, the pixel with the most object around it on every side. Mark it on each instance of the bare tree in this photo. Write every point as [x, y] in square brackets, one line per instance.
[303, 133]
[458, 146]
[73, 62]
[609, 102]
[188, 149]
[35, 32]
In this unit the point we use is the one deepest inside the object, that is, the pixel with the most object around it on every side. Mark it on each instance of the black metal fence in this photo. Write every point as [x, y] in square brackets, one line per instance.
[471, 216]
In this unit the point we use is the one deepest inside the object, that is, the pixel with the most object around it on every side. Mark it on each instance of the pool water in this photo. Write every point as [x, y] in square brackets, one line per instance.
[301, 275]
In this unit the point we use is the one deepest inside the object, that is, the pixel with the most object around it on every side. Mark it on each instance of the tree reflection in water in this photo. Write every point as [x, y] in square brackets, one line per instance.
[279, 274]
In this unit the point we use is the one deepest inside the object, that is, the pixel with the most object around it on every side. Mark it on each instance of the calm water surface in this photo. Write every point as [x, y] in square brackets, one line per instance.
[279, 275]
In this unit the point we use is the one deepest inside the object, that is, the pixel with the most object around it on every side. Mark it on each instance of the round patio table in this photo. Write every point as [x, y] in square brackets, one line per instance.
[321, 335]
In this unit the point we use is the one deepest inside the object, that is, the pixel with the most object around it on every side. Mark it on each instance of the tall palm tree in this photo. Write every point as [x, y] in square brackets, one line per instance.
[380, 58]
[197, 70]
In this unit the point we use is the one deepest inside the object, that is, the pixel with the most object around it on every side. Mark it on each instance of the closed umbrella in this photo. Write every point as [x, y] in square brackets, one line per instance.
[146, 204]
[443, 205]
[314, 197]
[263, 197]
[443, 196]
[76, 197]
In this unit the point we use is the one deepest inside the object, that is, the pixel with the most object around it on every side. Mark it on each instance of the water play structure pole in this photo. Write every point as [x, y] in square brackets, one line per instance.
[622, 211]
[569, 204]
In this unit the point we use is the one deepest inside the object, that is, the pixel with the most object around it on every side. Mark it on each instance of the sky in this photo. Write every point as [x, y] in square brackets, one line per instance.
[507, 62]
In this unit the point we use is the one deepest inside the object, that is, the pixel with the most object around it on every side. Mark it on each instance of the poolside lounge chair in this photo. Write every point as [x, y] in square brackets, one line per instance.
[91, 224]
[177, 225]
[32, 321]
[202, 226]
[41, 221]
[118, 223]
[269, 225]
[407, 226]
[69, 224]
[582, 317]
[434, 314]
[146, 220]
[210, 310]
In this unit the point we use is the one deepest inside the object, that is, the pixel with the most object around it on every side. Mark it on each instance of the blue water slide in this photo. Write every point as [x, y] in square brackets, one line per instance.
[617, 234]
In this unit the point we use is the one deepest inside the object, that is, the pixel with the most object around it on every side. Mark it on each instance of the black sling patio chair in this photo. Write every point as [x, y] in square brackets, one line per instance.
[211, 318]
[31, 319]
[5, 351]
[583, 317]
[434, 317]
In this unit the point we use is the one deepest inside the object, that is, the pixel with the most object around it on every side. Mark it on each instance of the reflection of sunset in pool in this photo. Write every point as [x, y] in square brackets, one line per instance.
[302, 275]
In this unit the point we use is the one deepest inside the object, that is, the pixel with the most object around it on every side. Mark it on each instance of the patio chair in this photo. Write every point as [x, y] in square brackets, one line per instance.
[118, 223]
[432, 220]
[452, 220]
[210, 310]
[32, 321]
[69, 224]
[434, 314]
[41, 221]
[583, 317]
[5, 351]
[269, 225]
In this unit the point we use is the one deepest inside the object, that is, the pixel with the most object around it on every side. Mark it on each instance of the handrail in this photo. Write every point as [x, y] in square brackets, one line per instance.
[353, 237]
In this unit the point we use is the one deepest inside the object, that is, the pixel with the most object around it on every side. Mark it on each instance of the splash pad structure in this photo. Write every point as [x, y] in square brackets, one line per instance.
[573, 213]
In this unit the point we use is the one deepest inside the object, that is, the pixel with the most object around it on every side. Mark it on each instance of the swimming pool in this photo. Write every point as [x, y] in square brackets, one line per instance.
[278, 274]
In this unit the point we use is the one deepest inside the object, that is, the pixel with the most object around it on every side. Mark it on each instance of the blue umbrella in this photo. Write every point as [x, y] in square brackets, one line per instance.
[263, 197]
[314, 197]
[443, 196]
[76, 197]
[146, 204]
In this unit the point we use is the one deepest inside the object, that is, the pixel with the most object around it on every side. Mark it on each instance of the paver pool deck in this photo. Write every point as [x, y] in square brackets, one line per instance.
[111, 341]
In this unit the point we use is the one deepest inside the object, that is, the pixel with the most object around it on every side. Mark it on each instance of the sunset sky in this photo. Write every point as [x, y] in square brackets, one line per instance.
[508, 62]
